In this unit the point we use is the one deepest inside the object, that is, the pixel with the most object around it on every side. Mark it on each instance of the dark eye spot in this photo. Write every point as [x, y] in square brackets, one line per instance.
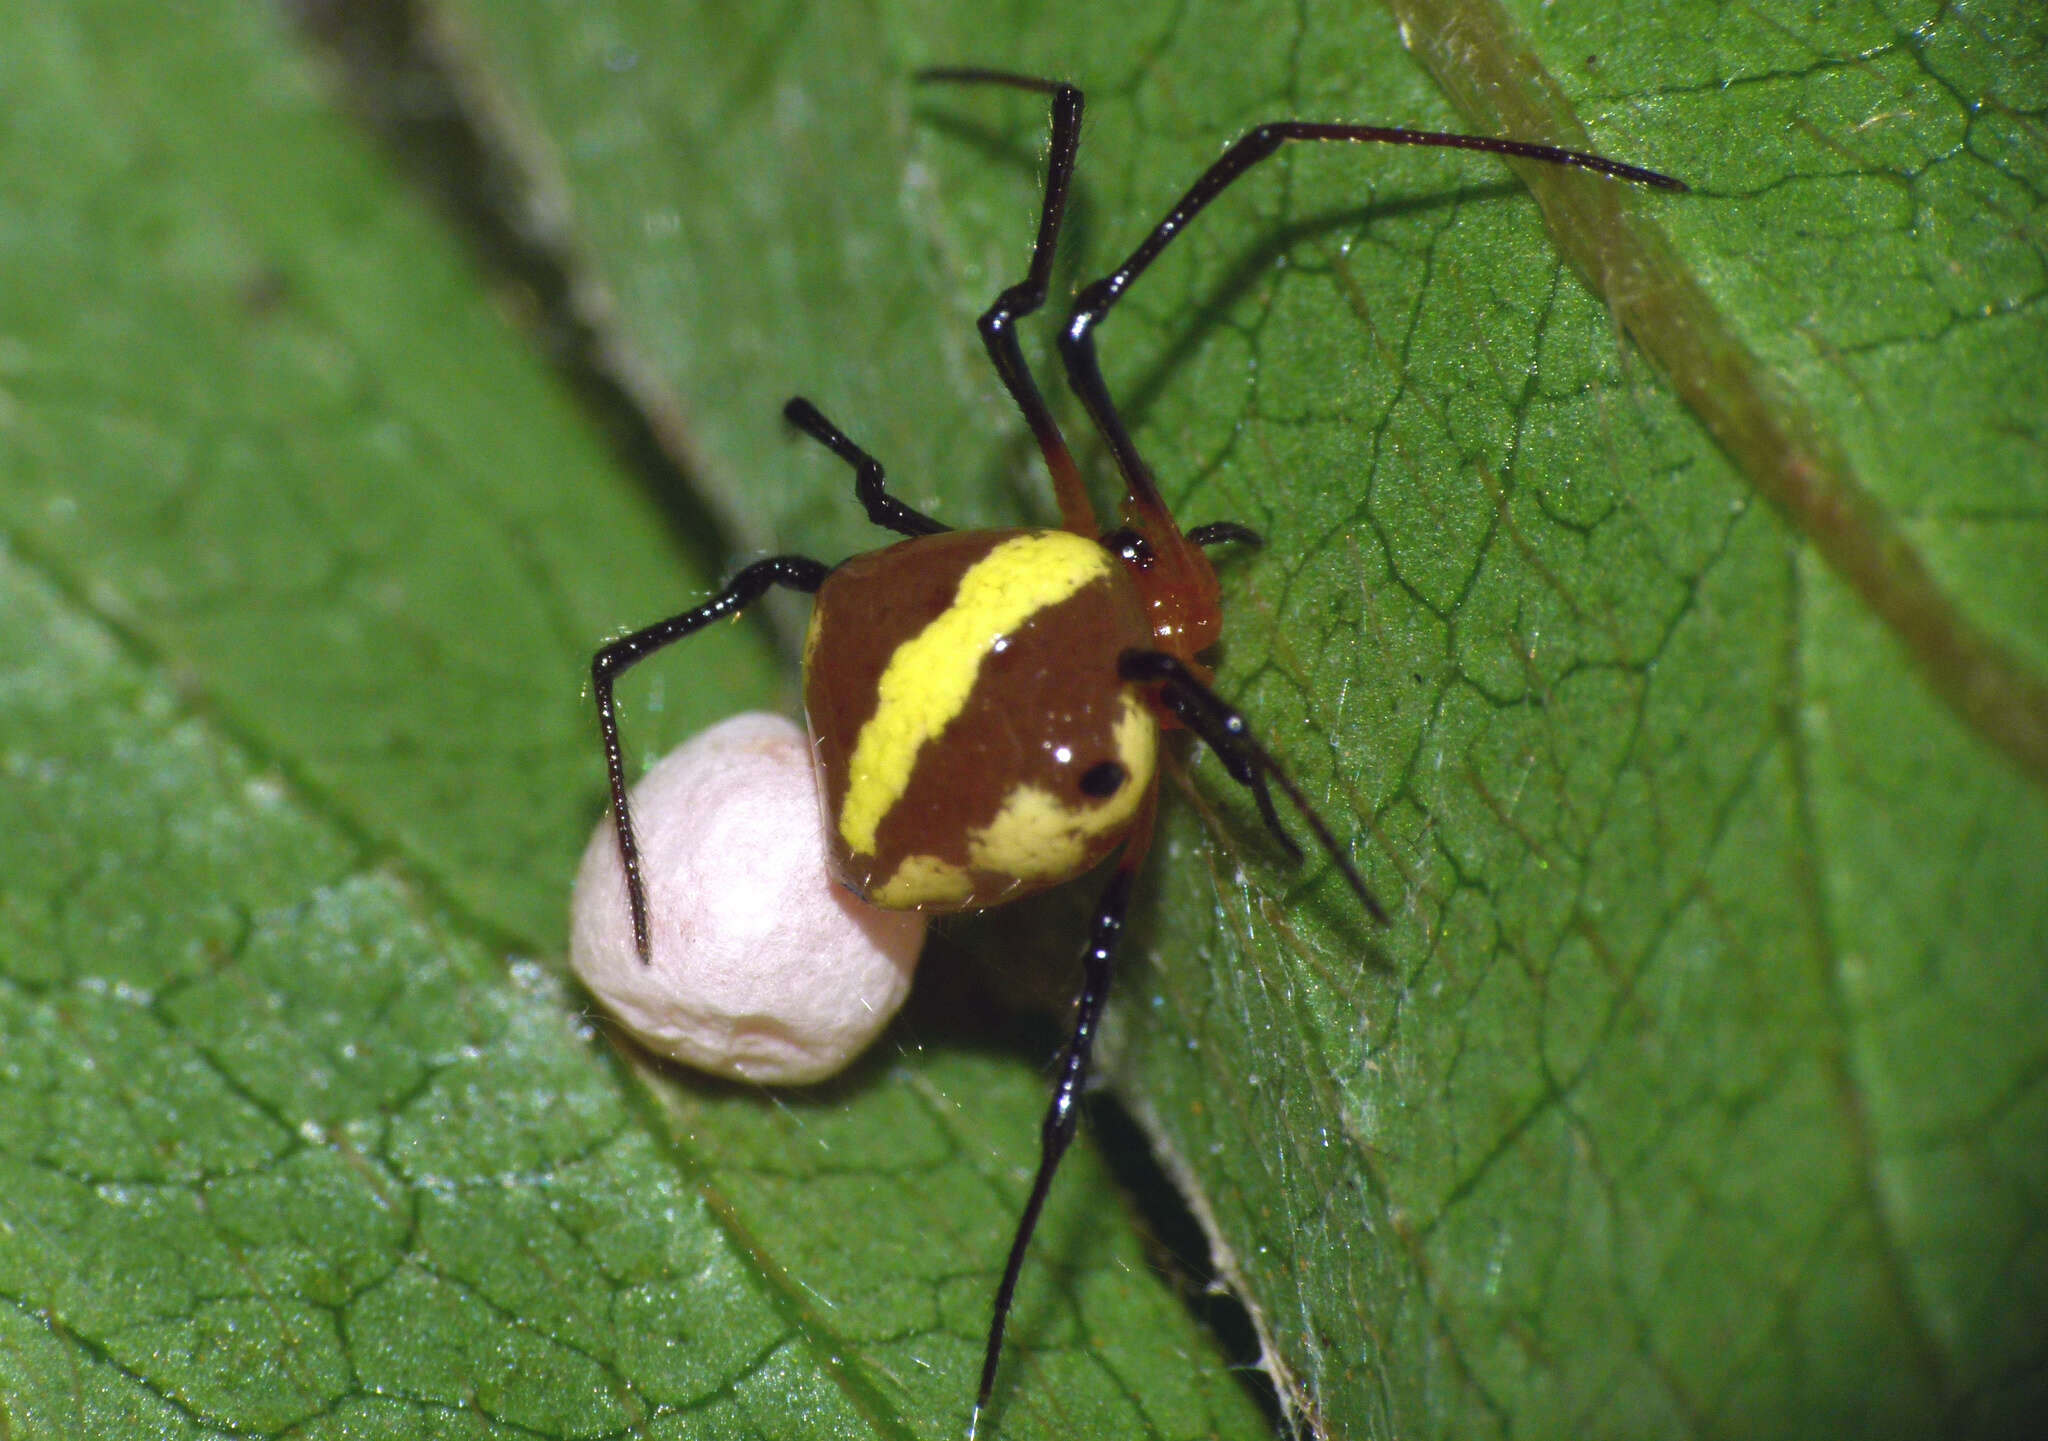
[1131, 547]
[1102, 780]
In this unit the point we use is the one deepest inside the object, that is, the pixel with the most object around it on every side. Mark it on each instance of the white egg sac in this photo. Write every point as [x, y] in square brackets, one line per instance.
[763, 967]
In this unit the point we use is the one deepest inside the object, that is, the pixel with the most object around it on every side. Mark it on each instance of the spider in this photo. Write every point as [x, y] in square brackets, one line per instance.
[985, 706]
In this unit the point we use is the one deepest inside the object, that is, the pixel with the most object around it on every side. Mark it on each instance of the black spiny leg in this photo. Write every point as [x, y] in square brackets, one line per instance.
[999, 321]
[795, 571]
[1250, 764]
[1226, 532]
[883, 508]
[1064, 1114]
[1093, 304]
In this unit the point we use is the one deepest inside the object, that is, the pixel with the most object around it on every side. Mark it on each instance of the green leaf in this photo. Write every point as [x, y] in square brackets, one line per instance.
[302, 1131]
[1664, 623]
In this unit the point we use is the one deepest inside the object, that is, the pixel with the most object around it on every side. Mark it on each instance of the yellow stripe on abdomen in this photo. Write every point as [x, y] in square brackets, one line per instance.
[931, 675]
[1039, 837]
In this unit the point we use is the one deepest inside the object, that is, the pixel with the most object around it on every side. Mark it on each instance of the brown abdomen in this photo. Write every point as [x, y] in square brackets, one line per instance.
[973, 740]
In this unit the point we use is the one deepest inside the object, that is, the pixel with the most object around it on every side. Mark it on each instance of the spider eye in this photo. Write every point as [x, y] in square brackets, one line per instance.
[1103, 780]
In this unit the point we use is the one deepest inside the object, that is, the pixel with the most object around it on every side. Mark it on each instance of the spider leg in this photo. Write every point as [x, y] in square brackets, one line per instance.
[795, 571]
[998, 322]
[1226, 532]
[1063, 1116]
[1093, 304]
[883, 508]
[1250, 764]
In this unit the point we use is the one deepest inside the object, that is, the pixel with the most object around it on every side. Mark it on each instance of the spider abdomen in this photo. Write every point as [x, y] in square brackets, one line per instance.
[973, 739]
